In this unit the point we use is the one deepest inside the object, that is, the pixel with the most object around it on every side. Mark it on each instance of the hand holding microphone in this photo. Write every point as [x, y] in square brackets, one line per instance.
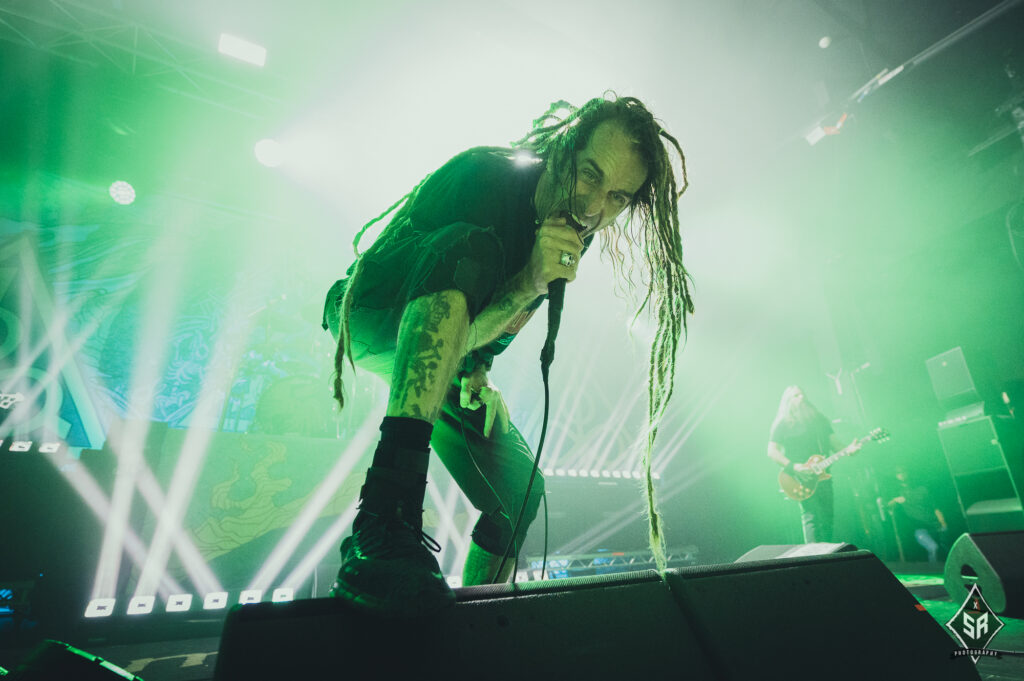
[558, 247]
[556, 254]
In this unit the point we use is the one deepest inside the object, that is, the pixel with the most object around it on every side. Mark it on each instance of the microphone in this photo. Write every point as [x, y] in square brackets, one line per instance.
[556, 299]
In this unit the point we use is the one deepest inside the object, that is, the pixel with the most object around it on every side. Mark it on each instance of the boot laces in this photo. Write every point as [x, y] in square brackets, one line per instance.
[398, 534]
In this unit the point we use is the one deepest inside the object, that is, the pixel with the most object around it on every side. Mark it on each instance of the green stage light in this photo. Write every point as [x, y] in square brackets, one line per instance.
[122, 192]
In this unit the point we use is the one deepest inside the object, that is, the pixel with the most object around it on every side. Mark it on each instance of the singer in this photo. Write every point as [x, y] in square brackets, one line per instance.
[467, 258]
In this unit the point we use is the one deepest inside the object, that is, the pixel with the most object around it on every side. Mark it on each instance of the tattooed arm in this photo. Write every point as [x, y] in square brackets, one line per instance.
[507, 312]
[508, 308]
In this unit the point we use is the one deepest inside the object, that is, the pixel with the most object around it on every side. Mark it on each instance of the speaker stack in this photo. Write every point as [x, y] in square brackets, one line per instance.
[840, 615]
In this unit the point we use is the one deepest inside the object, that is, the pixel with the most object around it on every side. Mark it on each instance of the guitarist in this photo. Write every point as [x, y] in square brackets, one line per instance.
[799, 432]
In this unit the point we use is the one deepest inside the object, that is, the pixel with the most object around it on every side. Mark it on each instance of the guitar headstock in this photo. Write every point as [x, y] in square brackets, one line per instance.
[878, 435]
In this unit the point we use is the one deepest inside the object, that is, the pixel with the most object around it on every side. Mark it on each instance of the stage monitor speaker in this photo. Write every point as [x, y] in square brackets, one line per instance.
[774, 551]
[838, 615]
[612, 626]
[995, 562]
[835, 616]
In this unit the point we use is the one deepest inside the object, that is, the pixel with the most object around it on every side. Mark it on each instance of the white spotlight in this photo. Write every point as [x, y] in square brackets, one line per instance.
[824, 42]
[122, 192]
[269, 152]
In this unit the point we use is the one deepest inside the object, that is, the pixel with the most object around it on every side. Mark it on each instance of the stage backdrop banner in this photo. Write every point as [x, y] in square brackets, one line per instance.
[250, 490]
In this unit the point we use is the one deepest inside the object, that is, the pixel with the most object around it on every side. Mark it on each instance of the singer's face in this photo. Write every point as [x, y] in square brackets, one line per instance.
[609, 172]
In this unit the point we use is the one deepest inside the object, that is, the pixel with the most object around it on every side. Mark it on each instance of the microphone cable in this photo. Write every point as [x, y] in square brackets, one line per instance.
[556, 298]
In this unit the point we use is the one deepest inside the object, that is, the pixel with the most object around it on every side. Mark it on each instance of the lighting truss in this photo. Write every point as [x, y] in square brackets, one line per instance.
[817, 131]
[77, 32]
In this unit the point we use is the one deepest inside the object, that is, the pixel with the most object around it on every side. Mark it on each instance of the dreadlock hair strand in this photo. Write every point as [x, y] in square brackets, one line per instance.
[344, 347]
[652, 227]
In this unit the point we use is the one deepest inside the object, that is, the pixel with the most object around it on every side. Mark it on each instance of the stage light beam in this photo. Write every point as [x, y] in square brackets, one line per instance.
[328, 541]
[285, 548]
[193, 452]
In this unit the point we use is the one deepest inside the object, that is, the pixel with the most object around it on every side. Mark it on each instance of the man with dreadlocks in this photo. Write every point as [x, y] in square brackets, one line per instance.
[463, 264]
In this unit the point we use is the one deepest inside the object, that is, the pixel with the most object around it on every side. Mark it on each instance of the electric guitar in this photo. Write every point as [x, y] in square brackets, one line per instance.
[801, 485]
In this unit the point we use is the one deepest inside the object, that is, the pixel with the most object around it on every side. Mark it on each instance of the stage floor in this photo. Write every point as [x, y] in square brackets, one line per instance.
[194, 659]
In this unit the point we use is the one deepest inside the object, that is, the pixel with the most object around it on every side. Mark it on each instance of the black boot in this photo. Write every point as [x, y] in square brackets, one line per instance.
[387, 565]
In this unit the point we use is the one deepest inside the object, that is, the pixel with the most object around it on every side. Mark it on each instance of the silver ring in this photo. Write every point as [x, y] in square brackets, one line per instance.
[567, 259]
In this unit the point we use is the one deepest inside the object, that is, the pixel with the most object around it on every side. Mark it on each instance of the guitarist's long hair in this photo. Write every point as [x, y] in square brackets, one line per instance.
[792, 413]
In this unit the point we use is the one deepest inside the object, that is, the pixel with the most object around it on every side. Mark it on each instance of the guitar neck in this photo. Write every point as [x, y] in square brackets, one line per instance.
[825, 463]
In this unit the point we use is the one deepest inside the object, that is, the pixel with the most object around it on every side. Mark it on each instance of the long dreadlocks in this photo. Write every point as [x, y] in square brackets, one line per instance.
[651, 226]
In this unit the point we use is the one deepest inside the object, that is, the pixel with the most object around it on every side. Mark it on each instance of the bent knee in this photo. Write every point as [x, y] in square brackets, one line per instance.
[494, 531]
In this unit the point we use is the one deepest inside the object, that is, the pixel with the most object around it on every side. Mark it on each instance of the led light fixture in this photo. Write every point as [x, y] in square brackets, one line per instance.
[179, 602]
[236, 47]
[269, 153]
[100, 607]
[141, 605]
[122, 193]
[250, 596]
[218, 600]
